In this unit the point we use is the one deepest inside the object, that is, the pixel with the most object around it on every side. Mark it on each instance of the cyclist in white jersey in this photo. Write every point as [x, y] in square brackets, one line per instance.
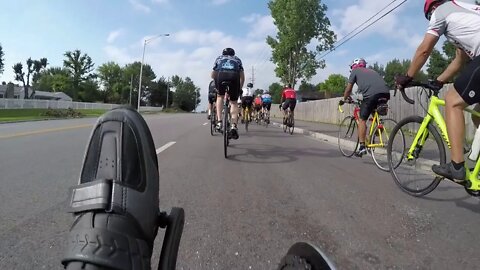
[247, 98]
[460, 23]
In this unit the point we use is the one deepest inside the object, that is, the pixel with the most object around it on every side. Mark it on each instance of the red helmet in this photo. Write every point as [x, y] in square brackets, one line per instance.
[429, 4]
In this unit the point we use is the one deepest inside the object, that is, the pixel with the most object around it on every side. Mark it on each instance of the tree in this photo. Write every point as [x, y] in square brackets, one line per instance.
[437, 64]
[33, 68]
[395, 67]
[88, 91]
[258, 92]
[335, 83]
[380, 69]
[148, 77]
[185, 92]
[449, 50]
[298, 22]
[80, 67]
[157, 95]
[54, 79]
[276, 90]
[112, 80]
[307, 88]
[1, 59]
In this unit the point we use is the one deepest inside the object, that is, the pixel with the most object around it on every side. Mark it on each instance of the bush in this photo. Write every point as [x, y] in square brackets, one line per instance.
[63, 113]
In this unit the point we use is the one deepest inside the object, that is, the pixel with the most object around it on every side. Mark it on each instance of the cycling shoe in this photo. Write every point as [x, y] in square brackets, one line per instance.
[116, 204]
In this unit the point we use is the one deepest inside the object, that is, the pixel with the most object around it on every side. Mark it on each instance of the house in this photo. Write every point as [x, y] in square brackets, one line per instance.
[18, 93]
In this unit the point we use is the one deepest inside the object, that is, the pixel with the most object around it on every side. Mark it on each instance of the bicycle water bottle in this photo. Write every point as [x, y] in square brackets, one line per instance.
[475, 145]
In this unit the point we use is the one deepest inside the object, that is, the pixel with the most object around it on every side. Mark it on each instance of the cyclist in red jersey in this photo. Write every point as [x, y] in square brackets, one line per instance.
[289, 99]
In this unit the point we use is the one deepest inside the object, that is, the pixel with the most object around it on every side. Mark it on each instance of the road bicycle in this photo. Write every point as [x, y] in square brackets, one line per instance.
[246, 116]
[425, 147]
[288, 122]
[378, 133]
[213, 119]
[226, 120]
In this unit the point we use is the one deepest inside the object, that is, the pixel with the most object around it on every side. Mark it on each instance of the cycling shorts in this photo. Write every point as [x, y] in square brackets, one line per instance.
[247, 101]
[233, 78]
[289, 103]
[467, 83]
[369, 104]
[267, 105]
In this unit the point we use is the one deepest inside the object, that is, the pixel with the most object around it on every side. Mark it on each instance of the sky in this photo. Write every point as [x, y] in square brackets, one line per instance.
[114, 30]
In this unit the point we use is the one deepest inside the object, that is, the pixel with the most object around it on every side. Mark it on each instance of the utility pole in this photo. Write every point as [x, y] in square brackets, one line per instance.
[253, 75]
[196, 100]
[131, 89]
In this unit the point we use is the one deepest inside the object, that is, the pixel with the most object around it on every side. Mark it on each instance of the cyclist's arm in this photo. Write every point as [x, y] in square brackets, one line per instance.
[421, 55]
[212, 75]
[348, 90]
[454, 67]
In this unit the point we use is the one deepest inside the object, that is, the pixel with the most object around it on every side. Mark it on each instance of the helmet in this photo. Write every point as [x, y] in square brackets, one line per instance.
[358, 62]
[429, 5]
[249, 85]
[228, 51]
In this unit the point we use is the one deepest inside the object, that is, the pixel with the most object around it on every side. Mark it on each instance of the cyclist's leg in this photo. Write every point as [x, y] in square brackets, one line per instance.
[366, 108]
[293, 104]
[220, 96]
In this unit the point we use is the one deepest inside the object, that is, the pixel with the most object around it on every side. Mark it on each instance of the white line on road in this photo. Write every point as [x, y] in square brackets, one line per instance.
[165, 147]
[205, 123]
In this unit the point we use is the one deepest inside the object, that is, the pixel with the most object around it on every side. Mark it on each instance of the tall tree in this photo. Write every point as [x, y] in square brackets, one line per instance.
[132, 70]
[307, 88]
[33, 68]
[80, 67]
[1, 59]
[437, 64]
[185, 92]
[380, 69]
[157, 95]
[298, 22]
[113, 82]
[335, 83]
[275, 90]
[88, 91]
[53, 79]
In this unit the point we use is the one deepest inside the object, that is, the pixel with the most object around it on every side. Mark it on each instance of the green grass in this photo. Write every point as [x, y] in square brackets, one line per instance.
[11, 115]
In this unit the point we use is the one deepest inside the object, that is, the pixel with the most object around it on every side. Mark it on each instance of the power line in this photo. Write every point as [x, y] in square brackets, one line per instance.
[373, 16]
[363, 29]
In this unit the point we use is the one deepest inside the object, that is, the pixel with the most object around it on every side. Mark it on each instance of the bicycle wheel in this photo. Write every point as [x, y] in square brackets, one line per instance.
[380, 137]
[213, 121]
[347, 136]
[284, 123]
[414, 176]
[225, 127]
[246, 118]
[291, 124]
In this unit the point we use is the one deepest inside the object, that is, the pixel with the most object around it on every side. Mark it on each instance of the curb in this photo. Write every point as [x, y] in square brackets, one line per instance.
[425, 164]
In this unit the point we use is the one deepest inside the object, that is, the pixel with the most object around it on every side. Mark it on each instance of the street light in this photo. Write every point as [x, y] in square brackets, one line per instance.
[141, 66]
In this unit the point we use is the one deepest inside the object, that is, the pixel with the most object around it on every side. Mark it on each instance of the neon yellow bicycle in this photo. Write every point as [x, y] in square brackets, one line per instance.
[377, 137]
[420, 145]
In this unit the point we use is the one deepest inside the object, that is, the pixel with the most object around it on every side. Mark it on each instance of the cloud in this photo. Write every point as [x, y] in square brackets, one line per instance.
[112, 36]
[161, 1]
[119, 55]
[137, 5]
[262, 26]
[219, 2]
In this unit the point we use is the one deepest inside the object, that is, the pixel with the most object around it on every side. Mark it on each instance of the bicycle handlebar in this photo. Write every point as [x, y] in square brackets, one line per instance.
[429, 85]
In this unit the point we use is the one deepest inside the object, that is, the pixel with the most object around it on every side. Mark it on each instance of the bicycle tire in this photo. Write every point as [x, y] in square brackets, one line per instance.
[284, 123]
[291, 125]
[213, 123]
[381, 160]
[225, 128]
[350, 132]
[396, 172]
[246, 118]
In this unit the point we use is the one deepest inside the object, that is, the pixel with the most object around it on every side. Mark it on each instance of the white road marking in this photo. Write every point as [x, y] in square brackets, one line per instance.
[205, 123]
[165, 147]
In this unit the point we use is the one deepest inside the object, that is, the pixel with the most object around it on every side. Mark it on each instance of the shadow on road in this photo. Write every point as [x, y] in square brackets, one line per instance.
[268, 154]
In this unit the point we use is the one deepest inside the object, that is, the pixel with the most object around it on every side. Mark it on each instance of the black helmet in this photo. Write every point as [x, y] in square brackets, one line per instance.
[249, 85]
[228, 51]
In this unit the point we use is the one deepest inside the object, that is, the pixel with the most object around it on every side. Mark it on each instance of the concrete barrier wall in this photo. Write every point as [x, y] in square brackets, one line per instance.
[58, 104]
[326, 110]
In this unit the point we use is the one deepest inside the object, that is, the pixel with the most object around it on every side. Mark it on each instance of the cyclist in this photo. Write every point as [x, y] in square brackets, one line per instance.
[266, 105]
[289, 100]
[228, 68]
[460, 23]
[373, 88]
[247, 98]
[257, 107]
[212, 96]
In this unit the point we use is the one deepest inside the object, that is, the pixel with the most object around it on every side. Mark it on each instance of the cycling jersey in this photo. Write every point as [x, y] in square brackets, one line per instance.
[258, 101]
[289, 93]
[247, 92]
[460, 23]
[369, 82]
[266, 98]
[228, 63]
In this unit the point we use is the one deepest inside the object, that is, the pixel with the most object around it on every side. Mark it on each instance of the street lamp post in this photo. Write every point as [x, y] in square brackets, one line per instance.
[141, 66]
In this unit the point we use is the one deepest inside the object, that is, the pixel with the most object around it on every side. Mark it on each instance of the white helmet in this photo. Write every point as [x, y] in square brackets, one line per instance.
[358, 62]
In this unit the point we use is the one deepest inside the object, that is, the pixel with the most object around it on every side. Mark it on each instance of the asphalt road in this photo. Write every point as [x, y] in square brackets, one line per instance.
[243, 212]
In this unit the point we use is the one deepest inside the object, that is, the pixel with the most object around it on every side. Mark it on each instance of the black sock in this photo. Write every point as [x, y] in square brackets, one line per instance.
[362, 145]
[458, 166]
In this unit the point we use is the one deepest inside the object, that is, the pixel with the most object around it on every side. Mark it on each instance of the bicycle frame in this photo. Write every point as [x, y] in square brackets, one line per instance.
[422, 134]
[375, 123]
